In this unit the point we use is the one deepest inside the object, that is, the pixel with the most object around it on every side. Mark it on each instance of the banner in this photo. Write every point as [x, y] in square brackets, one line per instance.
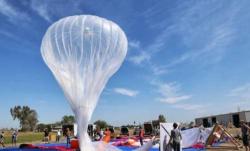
[190, 137]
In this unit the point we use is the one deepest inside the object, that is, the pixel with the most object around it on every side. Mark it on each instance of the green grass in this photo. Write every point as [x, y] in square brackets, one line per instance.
[27, 137]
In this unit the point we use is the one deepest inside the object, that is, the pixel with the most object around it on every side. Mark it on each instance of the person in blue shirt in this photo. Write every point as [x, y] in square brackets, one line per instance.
[14, 138]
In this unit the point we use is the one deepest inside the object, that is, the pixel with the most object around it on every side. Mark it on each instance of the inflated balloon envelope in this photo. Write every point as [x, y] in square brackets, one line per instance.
[83, 52]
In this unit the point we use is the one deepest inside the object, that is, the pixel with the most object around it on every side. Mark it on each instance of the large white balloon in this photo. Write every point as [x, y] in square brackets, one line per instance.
[83, 52]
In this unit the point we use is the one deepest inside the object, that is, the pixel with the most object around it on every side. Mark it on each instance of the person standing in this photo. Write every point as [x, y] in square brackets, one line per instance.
[141, 135]
[107, 135]
[175, 138]
[14, 138]
[46, 136]
[101, 133]
[2, 139]
[97, 135]
[58, 135]
[68, 133]
[245, 134]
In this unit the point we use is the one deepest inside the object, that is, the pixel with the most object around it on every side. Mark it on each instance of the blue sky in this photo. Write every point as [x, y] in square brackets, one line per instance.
[185, 59]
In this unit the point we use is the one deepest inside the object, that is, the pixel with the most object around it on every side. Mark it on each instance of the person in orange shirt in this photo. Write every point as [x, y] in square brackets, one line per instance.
[107, 136]
[141, 135]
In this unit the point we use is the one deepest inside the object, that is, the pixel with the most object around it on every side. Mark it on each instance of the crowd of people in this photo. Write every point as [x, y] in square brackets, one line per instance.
[106, 135]
[100, 134]
[58, 135]
[46, 138]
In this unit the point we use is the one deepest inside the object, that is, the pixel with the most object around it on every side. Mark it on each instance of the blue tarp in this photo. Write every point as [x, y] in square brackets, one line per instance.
[156, 149]
[123, 148]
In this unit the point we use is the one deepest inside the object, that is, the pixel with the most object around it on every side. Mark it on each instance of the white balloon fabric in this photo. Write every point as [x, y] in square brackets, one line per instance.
[83, 52]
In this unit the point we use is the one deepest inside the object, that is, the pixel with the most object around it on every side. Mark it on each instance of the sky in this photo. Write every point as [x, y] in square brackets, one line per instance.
[186, 59]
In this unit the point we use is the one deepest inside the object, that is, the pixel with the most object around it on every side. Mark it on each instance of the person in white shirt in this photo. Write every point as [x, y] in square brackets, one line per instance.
[58, 135]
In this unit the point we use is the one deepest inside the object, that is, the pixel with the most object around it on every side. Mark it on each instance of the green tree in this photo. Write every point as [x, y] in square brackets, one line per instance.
[41, 127]
[101, 124]
[68, 119]
[162, 118]
[27, 117]
[191, 124]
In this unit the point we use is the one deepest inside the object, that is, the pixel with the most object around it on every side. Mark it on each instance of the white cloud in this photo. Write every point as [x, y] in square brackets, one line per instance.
[138, 59]
[54, 9]
[146, 54]
[141, 55]
[189, 106]
[127, 92]
[13, 14]
[203, 41]
[7, 34]
[206, 40]
[212, 51]
[173, 100]
[6, 9]
[170, 93]
[134, 44]
[41, 9]
[158, 70]
[241, 92]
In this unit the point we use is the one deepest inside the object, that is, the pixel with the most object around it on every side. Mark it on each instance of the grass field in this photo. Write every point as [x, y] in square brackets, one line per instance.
[24, 137]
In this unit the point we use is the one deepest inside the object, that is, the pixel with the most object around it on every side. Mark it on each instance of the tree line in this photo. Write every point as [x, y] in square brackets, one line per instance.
[28, 119]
